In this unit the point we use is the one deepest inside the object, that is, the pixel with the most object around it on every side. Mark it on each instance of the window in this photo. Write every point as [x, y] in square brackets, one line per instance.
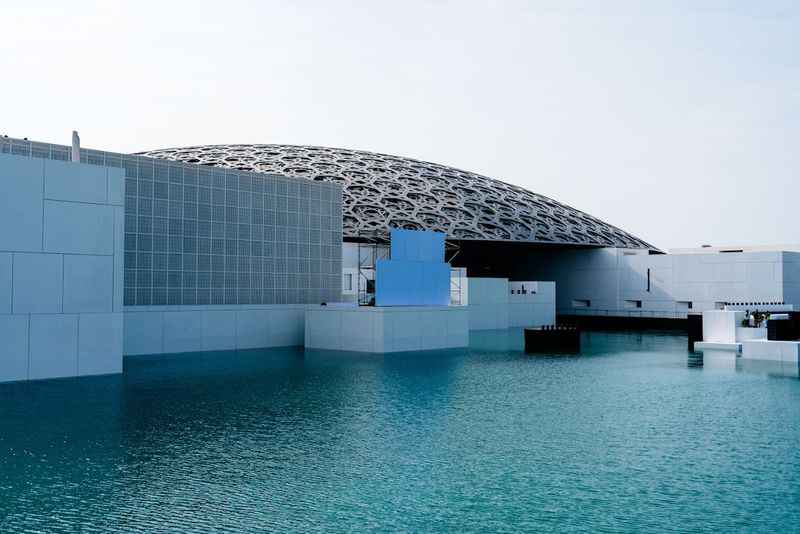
[347, 283]
[633, 303]
[581, 303]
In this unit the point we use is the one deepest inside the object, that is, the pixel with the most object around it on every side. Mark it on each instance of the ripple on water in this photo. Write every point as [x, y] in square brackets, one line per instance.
[632, 435]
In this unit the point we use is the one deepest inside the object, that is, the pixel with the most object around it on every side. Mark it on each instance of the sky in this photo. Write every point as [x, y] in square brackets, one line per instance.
[675, 121]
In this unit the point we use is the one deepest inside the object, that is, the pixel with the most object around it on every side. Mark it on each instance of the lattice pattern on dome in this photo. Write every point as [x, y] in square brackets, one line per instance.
[383, 191]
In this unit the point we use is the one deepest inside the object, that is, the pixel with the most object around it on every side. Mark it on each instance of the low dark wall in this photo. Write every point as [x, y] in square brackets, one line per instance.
[784, 329]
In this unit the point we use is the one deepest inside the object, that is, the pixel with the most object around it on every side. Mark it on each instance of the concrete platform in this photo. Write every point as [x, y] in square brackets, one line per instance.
[386, 329]
[782, 351]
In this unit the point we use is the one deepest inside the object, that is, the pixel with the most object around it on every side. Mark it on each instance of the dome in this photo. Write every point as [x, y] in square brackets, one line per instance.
[383, 191]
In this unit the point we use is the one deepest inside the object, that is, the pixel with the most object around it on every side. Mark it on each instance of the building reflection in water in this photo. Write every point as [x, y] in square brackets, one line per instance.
[719, 359]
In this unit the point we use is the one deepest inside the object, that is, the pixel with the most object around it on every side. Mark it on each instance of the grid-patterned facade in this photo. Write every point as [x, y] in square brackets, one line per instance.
[197, 235]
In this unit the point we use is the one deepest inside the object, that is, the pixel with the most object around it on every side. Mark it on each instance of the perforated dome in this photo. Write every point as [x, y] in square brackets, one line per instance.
[382, 192]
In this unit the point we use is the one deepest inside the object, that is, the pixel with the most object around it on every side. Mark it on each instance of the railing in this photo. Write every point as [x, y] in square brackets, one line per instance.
[599, 312]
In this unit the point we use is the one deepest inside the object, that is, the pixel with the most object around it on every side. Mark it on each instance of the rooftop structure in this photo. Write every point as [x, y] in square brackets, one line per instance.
[383, 192]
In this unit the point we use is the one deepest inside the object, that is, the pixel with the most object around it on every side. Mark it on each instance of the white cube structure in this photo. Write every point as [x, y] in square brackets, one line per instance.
[720, 326]
[386, 329]
[61, 269]
[496, 303]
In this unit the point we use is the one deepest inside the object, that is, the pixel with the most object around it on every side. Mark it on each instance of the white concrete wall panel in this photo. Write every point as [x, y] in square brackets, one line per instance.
[703, 279]
[744, 333]
[183, 331]
[356, 333]
[534, 308]
[547, 291]
[286, 326]
[88, 283]
[791, 267]
[171, 329]
[144, 333]
[545, 314]
[720, 326]
[791, 278]
[323, 329]
[406, 331]
[487, 303]
[458, 329]
[59, 268]
[495, 304]
[119, 258]
[6, 281]
[383, 330]
[76, 182]
[53, 346]
[37, 282]
[219, 330]
[783, 351]
[488, 316]
[252, 329]
[21, 190]
[14, 352]
[433, 326]
[74, 228]
[730, 272]
[487, 290]
[530, 314]
[100, 340]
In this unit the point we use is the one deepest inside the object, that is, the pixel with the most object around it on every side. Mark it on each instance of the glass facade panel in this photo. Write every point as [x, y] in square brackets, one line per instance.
[196, 235]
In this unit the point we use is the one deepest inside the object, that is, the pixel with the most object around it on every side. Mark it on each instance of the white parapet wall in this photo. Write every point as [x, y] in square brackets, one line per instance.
[174, 329]
[531, 304]
[61, 265]
[782, 351]
[496, 303]
[487, 303]
[635, 283]
[386, 329]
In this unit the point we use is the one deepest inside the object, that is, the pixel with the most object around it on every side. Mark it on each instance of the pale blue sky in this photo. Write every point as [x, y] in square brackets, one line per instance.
[677, 121]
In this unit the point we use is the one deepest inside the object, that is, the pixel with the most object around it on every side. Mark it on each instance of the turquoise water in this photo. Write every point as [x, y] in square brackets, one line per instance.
[633, 435]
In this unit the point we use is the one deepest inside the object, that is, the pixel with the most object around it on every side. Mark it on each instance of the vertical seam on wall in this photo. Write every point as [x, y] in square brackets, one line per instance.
[28, 372]
[618, 282]
[62, 280]
[114, 279]
[78, 348]
[113, 258]
[163, 348]
[43, 195]
[12, 281]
